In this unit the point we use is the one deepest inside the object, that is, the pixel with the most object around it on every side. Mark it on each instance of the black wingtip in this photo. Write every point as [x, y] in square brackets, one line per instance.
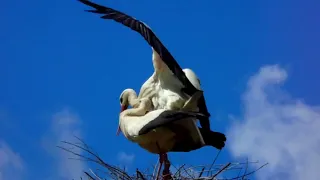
[96, 11]
[88, 3]
[85, 2]
[91, 4]
[92, 11]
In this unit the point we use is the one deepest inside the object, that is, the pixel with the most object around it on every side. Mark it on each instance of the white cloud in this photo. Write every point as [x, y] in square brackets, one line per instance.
[125, 158]
[277, 129]
[65, 125]
[11, 164]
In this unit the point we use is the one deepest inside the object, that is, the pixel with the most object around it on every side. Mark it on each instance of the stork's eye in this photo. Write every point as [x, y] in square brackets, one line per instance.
[121, 100]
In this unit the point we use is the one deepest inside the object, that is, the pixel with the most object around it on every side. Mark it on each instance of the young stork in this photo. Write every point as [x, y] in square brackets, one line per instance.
[157, 130]
[169, 86]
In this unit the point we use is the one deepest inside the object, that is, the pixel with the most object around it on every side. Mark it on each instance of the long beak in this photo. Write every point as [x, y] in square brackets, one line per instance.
[123, 107]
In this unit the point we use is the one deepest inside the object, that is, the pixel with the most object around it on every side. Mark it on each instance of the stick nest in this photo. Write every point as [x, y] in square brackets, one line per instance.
[106, 171]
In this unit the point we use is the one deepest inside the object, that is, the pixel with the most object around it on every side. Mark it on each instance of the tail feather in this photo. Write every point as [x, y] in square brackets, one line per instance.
[212, 138]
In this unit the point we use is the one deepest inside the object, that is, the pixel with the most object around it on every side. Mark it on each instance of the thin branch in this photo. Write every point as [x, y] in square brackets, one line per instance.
[89, 176]
[95, 175]
[252, 171]
[225, 167]
[99, 160]
[201, 172]
[178, 170]
[245, 171]
[214, 161]
[139, 174]
[186, 171]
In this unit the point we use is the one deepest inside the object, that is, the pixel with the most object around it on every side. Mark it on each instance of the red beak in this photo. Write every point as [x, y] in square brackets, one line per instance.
[123, 107]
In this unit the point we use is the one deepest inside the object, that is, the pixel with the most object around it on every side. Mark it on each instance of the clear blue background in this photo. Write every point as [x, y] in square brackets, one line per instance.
[55, 55]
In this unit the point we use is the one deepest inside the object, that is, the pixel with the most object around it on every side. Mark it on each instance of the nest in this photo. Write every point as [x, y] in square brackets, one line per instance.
[184, 172]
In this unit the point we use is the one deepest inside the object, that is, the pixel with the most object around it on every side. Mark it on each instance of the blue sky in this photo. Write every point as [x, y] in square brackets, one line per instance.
[62, 71]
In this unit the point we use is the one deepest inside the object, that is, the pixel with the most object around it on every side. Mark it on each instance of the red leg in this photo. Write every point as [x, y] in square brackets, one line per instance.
[160, 165]
[163, 157]
[166, 171]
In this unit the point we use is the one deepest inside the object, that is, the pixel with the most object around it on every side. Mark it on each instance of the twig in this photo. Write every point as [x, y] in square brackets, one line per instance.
[178, 170]
[201, 172]
[140, 174]
[252, 171]
[155, 168]
[215, 175]
[99, 161]
[214, 161]
[245, 171]
[95, 175]
[91, 178]
[186, 171]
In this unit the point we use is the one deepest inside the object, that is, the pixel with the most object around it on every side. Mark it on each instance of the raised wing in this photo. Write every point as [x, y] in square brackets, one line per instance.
[148, 35]
[153, 41]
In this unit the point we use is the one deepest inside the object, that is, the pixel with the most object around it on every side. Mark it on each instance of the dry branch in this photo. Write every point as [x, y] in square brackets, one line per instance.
[184, 172]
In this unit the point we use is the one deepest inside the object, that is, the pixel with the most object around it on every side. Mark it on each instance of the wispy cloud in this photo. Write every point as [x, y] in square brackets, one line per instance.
[65, 125]
[125, 158]
[277, 129]
[11, 164]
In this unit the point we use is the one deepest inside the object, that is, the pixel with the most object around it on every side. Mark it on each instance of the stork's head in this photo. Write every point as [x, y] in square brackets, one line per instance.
[126, 96]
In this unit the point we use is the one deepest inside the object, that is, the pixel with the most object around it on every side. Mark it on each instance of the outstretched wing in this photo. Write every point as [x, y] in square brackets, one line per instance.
[148, 35]
[153, 41]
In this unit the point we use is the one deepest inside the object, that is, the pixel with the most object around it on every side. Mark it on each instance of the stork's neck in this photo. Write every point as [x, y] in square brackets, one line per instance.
[133, 99]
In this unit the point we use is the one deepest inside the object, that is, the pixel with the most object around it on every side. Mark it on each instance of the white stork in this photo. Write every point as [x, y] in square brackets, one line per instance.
[169, 86]
[156, 130]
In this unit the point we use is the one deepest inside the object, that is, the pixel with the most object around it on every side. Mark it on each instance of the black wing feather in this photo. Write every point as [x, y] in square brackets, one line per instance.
[166, 118]
[148, 35]
[153, 41]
